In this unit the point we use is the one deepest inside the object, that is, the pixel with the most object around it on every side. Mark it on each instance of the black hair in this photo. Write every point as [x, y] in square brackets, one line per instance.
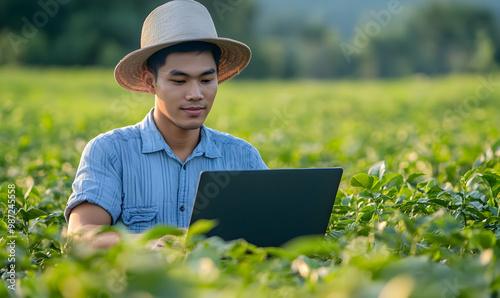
[158, 59]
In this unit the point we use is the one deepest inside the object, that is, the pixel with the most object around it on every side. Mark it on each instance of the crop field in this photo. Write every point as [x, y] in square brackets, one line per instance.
[417, 213]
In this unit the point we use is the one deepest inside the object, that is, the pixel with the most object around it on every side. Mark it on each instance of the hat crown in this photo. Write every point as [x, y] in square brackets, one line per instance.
[176, 21]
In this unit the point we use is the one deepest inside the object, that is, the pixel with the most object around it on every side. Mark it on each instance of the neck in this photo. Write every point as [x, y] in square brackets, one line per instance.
[181, 141]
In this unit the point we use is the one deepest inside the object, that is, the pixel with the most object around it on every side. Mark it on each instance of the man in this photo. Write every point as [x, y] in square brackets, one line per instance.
[147, 174]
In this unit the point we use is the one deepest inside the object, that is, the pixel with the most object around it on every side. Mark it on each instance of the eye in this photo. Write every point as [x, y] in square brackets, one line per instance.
[178, 82]
[206, 81]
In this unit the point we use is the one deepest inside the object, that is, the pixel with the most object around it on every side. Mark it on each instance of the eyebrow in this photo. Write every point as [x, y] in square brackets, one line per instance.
[176, 72]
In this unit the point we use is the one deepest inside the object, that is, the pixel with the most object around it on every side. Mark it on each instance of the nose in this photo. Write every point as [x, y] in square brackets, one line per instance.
[194, 92]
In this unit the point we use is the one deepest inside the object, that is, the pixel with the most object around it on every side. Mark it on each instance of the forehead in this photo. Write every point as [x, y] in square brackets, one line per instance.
[190, 60]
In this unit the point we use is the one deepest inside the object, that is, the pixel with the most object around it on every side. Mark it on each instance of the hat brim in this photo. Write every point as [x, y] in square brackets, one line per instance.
[235, 56]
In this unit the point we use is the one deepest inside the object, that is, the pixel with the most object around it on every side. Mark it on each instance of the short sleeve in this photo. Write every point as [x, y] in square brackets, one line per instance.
[256, 160]
[98, 179]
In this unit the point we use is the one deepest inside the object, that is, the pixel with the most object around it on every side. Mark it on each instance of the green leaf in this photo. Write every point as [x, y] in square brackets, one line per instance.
[54, 216]
[383, 199]
[484, 239]
[366, 213]
[41, 255]
[495, 190]
[416, 178]
[465, 178]
[495, 284]
[368, 208]
[33, 213]
[310, 245]
[201, 227]
[3, 226]
[280, 253]
[439, 202]
[345, 202]
[336, 234]
[4, 198]
[367, 216]
[492, 178]
[392, 192]
[492, 219]
[160, 231]
[492, 209]
[376, 185]
[405, 193]
[377, 170]
[341, 209]
[363, 180]
[366, 194]
[476, 213]
[431, 185]
[469, 173]
[22, 214]
[391, 180]
[423, 201]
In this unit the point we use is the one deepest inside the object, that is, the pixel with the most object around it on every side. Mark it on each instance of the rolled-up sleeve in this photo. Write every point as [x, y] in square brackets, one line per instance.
[98, 179]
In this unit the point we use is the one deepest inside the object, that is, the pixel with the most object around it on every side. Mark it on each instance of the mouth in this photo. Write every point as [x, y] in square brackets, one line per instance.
[193, 111]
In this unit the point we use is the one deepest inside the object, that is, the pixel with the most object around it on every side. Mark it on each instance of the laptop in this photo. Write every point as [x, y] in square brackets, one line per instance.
[267, 207]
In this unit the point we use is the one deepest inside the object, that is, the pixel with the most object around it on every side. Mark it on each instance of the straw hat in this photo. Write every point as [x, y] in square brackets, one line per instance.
[176, 22]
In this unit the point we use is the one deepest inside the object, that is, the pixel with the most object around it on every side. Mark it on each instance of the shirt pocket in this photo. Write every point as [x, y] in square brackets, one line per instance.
[139, 218]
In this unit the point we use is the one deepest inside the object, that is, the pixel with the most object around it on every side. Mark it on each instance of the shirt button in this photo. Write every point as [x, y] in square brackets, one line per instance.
[182, 208]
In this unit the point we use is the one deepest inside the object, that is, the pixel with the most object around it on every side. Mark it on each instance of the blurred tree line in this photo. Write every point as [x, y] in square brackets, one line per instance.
[435, 38]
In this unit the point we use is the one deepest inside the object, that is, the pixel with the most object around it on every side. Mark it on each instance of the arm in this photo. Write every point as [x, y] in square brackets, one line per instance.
[85, 219]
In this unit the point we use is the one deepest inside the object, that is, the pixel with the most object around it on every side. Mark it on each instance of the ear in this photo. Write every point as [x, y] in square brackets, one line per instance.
[149, 81]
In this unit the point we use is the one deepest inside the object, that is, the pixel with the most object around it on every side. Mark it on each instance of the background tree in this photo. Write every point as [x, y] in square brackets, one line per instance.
[434, 37]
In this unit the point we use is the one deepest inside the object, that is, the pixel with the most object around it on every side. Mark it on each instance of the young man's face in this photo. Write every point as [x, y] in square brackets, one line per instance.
[185, 89]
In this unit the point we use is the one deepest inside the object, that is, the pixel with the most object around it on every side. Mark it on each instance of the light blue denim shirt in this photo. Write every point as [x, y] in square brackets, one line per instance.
[133, 174]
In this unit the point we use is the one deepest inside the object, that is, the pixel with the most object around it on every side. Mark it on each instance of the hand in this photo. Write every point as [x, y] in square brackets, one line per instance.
[156, 244]
[105, 240]
[88, 235]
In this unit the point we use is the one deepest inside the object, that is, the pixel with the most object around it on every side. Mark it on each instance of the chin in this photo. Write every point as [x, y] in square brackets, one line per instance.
[191, 126]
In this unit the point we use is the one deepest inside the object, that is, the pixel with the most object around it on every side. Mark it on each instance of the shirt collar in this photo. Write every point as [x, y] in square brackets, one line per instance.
[152, 140]
[206, 145]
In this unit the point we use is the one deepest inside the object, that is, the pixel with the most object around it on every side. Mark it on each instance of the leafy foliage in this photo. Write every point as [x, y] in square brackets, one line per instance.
[423, 222]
